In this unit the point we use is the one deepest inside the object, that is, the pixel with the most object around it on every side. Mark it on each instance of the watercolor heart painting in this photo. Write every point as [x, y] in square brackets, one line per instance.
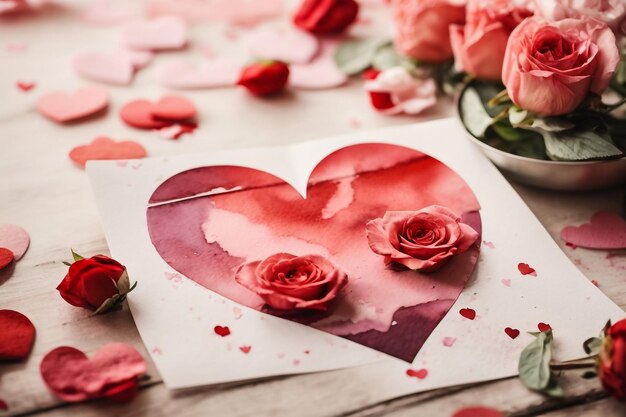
[206, 222]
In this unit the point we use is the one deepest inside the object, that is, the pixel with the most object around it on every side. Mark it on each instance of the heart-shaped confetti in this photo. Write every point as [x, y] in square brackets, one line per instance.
[606, 230]
[245, 349]
[63, 107]
[108, 68]
[15, 239]
[544, 327]
[25, 85]
[6, 257]
[105, 12]
[167, 32]
[103, 148]
[139, 59]
[71, 376]
[17, 335]
[174, 108]
[321, 73]
[512, 333]
[212, 73]
[289, 45]
[448, 341]
[526, 269]
[417, 373]
[138, 113]
[506, 282]
[468, 313]
[222, 331]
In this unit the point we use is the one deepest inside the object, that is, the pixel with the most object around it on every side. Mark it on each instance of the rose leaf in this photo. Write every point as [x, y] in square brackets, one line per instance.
[355, 56]
[473, 113]
[534, 362]
[76, 256]
[387, 57]
[578, 146]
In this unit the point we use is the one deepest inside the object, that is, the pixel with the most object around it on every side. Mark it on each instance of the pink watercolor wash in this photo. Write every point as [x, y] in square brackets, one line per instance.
[252, 215]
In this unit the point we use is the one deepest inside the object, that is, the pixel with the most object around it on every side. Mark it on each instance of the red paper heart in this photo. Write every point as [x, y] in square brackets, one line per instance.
[419, 373]
[6, 257]
[468, 313]
[174, 108]
[245, 349]
[222, 330]
[25, 86]
[512, 333]
[606, 230]
[346, 190]
[544, 327]
[477, 412]
[62, 107]
[103, 148]
[17, 335]
[71, 376]
[138, 113]
[526, 269]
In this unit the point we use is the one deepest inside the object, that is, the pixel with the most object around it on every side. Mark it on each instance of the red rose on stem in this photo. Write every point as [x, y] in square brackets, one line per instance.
[287, 282]
[612, 361]
[97, 283]
[264, 78]
[326, 16]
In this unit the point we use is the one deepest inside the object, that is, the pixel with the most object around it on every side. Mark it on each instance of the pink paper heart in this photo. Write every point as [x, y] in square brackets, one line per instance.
[15, 239]
[71, 376]
[105, 12]
[210, 74]
[347, 189]
[62, 107]
[319, 74]
[139, 59]
[289, 45]
[104, 67]
[103, 148]
[606, 230]
[167, 32]
[239, 12]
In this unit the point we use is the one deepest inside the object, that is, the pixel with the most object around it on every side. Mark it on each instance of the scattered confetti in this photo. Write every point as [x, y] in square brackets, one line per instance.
[512, 333]
[448, 341]
[245, 349]
[468, 313]
[419, 373]
[25, 86]
[110, 68]
[161, 33]
[526, 269]
[289, 45]
[506, 282]
[222, 331]
[543, 327]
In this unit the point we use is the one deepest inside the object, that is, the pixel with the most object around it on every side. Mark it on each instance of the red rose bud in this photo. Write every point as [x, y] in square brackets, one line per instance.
[612, 361]
[97, 283]
[380, 100]
[326, 16]
[264, 78]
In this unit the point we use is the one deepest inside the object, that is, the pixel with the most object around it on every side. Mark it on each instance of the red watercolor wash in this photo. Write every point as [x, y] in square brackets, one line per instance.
[544, 327]
[419, 373]
[245, 348]
[17, 335]
[526, 269]
[477, 411]
[25, 86]
[6, 257]
[222, 330]
[468, 313]
[512, 333]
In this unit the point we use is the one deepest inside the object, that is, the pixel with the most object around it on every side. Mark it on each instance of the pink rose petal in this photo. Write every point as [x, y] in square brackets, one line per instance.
[15, 239]
[62, 107]
[289, 45]
[161, 33]
[210, 74]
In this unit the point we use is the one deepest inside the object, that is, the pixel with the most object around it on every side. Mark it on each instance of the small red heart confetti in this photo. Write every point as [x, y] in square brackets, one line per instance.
[605, 230]
[174, 108]
[62, 107]
[477, 411]
[468, 313]
[17, 335]
[103, 148]
[570, 245]
[245, 348]
[15, 239]
[543, 327]
[512, 333]
[526, 269]
[221, 330]
[25, 85]
[6, 257]
[419, 373]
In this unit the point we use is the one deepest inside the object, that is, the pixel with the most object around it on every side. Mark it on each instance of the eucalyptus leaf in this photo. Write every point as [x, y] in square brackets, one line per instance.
[473, 113]
[534, 362]
[578, 146]
[552, 124]
[592, 346]
[517, 115]
[76, 256]
[387, 57]
[355, 56]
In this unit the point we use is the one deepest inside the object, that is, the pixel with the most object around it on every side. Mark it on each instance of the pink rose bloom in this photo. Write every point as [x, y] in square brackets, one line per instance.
[611, 12]
[549, 68]
[421, 240]
[395, 91]
[479, 45]
[288, 282]
[421, 27]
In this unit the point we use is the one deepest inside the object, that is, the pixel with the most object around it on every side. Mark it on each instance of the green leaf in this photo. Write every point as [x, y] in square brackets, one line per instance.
[592, 345]
[534, 362]
[387, 57]
[67, 263]
[552, 124]
[517, 115]
[76, 256]
[578, 146]
[355, 56]
[473, 113]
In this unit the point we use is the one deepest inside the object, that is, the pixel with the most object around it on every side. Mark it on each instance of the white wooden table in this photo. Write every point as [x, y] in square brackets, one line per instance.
[41, 190]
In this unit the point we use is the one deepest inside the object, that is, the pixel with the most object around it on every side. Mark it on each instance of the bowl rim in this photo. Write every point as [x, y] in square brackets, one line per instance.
[518, 157]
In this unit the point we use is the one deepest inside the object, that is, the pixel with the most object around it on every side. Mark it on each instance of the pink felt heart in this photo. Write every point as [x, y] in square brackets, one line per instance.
[103, 67]
[210, 74]
[103, 148]
[14, 238]
[606, 230]
[63, 107]
[346, 190]
[321, 73]
[167, 32]
[289, 45]
[238, 12]
[17, 335]
[71, 376]
[175, 108]
[104, 12]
